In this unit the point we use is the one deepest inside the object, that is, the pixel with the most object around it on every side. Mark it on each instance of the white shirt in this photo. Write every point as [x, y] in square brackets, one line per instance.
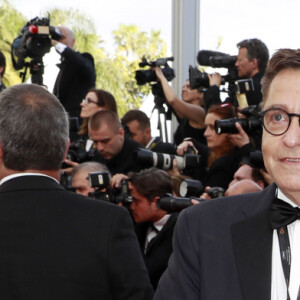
[24, 174]
[278, 284]
[152, 233]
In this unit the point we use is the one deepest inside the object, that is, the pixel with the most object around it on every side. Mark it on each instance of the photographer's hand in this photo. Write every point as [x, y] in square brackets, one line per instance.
[215, 79]
[239, 139]
[115, 181]
[182, 148]
[159, 74]
[72, 165]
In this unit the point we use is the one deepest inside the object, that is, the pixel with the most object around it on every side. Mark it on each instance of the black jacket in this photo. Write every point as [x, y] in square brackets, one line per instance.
[159, 248]
[222, 249]
[77, 75]
[56, 244]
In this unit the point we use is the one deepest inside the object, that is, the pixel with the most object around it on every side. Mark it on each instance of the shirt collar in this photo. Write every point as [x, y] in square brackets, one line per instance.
[283, 197]
[9, 177]
[162, 222]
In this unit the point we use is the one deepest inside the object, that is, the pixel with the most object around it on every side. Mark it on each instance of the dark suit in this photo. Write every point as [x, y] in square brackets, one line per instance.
[77, 75]
[159, 248]
[56, 244]
[222, 250]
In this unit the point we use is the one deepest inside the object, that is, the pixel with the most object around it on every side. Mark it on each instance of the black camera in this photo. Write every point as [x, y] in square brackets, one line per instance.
[78, 152]
[100, 181]
[145, 76]
[172, 204]
[200, 79]
[34, 41]
[216, 192]
[216, 59]
[164, 161]
[250, 124]
[191, 188]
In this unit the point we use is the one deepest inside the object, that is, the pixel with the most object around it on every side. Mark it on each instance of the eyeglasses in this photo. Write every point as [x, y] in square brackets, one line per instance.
[277, 121]
[88, 100]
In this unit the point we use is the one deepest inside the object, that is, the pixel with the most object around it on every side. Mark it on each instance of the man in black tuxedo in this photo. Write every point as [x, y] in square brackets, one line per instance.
[247, 246]
[56, 244]
[154, 227]
[77, 73]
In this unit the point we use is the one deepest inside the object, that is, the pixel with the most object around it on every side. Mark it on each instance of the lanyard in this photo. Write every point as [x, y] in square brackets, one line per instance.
[285, 254]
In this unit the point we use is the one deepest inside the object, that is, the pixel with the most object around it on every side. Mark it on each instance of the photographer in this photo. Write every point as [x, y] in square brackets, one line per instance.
[224, 151]
[251, 63]
[80, 176]
[189, 110]
[153, 226]
[140, 131]
[77, 73]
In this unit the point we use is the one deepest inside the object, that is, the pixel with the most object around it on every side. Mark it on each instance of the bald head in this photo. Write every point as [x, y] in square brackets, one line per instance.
[242, 187]
[67, 37]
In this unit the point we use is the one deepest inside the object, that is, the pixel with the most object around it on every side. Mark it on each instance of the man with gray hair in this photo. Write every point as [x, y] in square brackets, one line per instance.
[56, 244]
[80, 176]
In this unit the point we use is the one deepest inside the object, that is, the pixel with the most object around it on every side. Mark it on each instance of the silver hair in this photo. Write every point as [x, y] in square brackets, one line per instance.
[34, 128]
[90, 166]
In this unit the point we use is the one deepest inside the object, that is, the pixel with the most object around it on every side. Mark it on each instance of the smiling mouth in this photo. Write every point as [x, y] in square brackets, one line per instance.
[293, 159]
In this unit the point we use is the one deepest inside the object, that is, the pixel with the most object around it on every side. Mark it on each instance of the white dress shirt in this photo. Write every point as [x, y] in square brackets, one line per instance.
[279, 288]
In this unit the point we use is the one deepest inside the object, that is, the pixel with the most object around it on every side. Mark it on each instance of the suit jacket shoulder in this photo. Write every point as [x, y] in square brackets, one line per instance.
[60, 245]
[221, 250]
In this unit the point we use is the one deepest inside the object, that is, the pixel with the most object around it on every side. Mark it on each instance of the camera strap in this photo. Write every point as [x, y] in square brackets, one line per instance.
[285, 255]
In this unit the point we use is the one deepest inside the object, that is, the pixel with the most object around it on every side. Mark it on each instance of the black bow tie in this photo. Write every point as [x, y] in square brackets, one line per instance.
[283, 214]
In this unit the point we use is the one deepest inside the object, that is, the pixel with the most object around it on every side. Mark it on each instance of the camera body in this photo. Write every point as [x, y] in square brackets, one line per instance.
[146, 76]
[77, 151]
[34, 41]
[192, 188]
[100, 181]
[250, 124]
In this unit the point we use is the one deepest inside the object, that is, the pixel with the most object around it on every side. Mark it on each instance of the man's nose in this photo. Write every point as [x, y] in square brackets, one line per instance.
[292, 137]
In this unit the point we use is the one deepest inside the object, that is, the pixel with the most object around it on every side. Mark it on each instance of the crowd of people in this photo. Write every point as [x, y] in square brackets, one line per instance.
[61, 242]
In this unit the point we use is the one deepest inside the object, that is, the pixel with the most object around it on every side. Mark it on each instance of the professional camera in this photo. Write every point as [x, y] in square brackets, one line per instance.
[216, 59]
[164, 161]
[78, 153]
[172, 204]
[100, 181]
[191, 188]
[250, 124]
[34, 41]
[145, 76]
[200, 79]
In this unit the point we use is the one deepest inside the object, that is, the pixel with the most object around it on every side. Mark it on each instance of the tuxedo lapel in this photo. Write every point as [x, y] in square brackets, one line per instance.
[165, 231]
[252, 242]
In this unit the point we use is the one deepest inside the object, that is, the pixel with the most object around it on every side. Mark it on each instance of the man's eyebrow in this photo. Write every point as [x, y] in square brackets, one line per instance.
[280, 106]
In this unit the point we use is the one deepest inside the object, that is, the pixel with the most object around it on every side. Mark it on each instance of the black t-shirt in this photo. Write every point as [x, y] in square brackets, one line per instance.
[185, 130]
